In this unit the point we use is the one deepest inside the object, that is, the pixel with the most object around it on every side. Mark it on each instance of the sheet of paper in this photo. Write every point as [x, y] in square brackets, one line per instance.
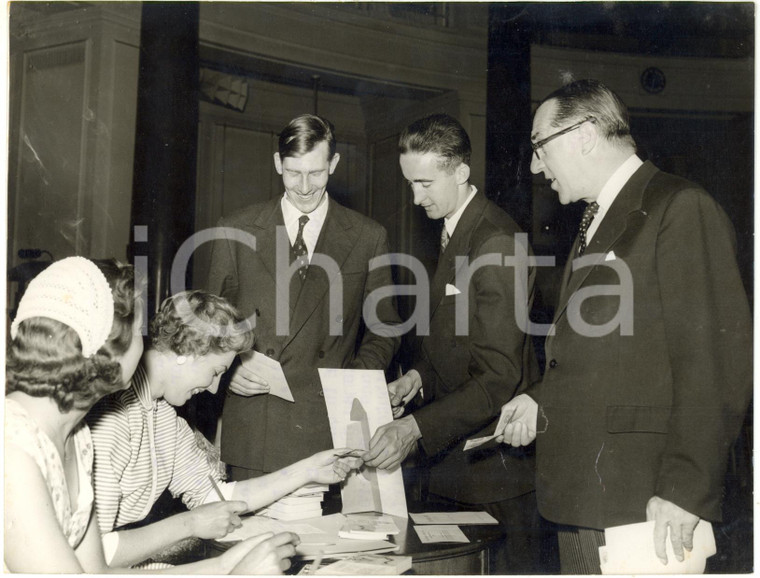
[629, 549]
[342, 387]
[270, 371]
[477, 442]
[436, 534]
[257, 525]
[458, 518]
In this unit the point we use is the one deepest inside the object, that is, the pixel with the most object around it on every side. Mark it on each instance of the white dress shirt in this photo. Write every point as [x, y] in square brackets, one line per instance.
[451, 222]
[311, 230]
[610, 191]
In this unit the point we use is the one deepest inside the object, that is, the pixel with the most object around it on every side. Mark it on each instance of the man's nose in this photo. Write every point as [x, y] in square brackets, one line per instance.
[417, 194]
[305, 183]
[536, 164]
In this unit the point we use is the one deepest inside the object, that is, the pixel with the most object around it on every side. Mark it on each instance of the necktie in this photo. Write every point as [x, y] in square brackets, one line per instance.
[588, 216]
[299, 251]
[444, 238]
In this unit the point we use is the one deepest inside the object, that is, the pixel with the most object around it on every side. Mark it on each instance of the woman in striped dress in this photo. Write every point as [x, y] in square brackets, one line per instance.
[142, 447]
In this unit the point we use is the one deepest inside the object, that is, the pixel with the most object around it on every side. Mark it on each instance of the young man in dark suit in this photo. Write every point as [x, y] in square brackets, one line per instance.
[305, 243]
[476, 354]
[649, 369]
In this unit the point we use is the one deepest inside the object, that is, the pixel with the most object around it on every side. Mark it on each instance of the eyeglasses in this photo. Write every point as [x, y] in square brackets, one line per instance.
[551, 137]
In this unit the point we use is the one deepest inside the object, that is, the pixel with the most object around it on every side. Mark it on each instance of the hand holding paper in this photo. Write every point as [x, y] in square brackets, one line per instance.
[403, 390]
[259, 374]
[666, 514]
[520, 428]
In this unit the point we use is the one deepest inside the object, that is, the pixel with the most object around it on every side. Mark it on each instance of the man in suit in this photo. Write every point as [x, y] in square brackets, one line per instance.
[649, 373]
[466, 371]
[307, 247]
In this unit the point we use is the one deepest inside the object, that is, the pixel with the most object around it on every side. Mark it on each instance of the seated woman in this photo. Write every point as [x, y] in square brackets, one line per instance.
[76, 338]
[142, 447]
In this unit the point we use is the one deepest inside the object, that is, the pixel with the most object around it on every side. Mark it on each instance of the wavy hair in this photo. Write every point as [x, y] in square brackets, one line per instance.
[197, 323]
[441, 135]
[45, 359]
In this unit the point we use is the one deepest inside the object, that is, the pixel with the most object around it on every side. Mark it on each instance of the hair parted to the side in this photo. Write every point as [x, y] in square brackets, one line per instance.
[587, 98]
[440, 134]
[45, 359]
[304, 133]
[197, 323]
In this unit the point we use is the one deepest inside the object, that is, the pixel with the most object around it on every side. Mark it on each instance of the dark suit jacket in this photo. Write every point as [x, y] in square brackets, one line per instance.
[625, 417]
[264, 432]
[467, 378]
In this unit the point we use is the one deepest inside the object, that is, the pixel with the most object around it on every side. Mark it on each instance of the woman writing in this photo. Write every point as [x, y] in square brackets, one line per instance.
[142, 447]
[75, 339]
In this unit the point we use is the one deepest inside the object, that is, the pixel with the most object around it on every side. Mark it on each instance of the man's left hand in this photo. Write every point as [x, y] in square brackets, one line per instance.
[391, 443]
[681, 522]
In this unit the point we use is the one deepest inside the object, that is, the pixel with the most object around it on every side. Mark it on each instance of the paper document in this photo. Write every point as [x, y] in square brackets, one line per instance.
[629, 549]
[437, 534]
[458, 518]
[270, 371]
[257, 525]
[475, 442]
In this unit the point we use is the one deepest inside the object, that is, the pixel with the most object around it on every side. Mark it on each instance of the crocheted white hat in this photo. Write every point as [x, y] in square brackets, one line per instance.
[75, 292]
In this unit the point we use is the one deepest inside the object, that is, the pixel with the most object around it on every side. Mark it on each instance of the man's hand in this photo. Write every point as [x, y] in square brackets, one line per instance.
[246, 382]
[520, 425]
[328, 468]
[391, 443]
[403, 390]
[267, 556]
[681, 522]
[216, 519]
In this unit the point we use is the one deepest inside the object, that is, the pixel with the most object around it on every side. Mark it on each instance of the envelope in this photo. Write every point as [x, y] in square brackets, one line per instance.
[270, 370]
[451, 289]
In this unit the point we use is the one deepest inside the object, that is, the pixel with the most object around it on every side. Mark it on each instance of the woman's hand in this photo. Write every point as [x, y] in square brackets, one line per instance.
[215, 520]
[328, 467]
[264, 555]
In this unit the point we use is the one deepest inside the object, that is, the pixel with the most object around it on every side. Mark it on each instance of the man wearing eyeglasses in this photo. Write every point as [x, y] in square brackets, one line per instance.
[649, 368]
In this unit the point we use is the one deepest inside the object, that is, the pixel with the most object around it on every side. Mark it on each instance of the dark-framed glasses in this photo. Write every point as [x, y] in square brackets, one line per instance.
[537, 145]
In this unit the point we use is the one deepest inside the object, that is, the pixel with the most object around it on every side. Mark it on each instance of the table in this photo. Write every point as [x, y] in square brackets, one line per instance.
[447, 559]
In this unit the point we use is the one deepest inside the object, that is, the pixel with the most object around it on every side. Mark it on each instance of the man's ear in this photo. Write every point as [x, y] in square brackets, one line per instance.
[334, 162]
[277, 163]
[589, 137]
[462, 173]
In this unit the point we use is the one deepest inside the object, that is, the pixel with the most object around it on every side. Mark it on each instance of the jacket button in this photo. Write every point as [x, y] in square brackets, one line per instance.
[553, 363]
[321, 393]
[339, 319]
[321, 354]
[270, 352]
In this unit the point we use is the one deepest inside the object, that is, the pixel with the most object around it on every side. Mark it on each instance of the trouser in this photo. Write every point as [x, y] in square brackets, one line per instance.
[529, 544]
[579, 549]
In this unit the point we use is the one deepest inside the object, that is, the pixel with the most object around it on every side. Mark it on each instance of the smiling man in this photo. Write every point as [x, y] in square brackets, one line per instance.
[465, 374]
[262, 433]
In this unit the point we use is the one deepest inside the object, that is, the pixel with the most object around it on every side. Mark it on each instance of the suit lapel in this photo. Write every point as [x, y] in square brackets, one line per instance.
[459, 245]
[336, 240]
[615, 223]
[265, 231]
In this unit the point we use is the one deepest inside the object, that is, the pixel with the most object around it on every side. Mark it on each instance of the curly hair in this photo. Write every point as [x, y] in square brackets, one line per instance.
[197, 323]
[45, 359]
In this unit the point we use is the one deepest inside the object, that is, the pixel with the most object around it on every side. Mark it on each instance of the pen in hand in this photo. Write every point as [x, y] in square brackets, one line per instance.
[216, 488]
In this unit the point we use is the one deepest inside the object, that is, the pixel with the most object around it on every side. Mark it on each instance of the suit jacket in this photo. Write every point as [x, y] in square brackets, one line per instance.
[264, 432]
[625, 417]
[467, 378]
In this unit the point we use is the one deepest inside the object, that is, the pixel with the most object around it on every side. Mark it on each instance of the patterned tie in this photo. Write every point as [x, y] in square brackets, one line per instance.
[298, 251]
[588, 216]
[444, 239]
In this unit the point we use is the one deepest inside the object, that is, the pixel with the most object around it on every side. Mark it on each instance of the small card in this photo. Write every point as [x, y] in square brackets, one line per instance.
[476, 442]
[270, 371]
[451, 289]
[459, 518]
[438, 534]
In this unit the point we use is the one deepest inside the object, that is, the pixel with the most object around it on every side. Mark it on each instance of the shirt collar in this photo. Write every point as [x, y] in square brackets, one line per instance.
[290, 214]
[616, 182]
[451, 222]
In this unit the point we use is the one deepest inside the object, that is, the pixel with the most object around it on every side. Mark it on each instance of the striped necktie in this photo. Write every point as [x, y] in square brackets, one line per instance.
[444, 238]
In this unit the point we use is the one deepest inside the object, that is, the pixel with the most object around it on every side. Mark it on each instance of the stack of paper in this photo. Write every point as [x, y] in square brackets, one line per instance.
[368, 527]
[364, 565]
[306, 502]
